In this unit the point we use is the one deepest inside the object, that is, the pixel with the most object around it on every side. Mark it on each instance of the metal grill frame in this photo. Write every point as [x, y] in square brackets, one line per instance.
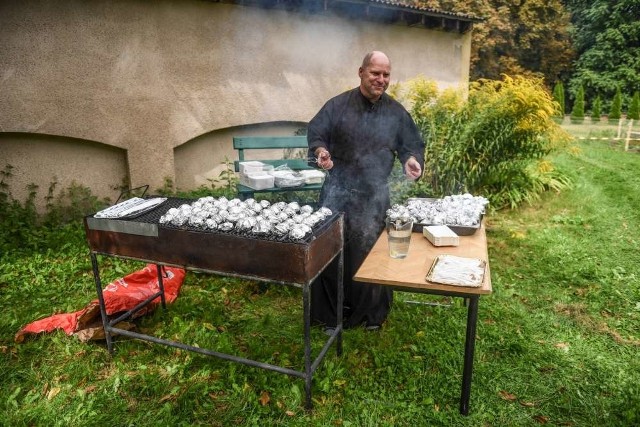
[311, 256]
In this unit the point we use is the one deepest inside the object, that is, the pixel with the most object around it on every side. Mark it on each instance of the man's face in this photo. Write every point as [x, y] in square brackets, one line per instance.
[374, 79]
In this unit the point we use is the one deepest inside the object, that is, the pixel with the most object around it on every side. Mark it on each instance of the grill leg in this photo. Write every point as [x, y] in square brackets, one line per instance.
[161, 286]
[308, 376]
[103, 309]
[469, 348]
[340, 302]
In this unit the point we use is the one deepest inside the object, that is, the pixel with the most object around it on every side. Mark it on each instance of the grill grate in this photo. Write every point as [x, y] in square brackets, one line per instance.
[153, 217]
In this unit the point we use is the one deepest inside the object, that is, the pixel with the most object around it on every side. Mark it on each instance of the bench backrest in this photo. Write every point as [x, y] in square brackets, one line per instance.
[269, 143]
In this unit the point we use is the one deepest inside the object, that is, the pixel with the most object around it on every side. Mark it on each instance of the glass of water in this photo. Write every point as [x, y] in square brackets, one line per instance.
[399, 236]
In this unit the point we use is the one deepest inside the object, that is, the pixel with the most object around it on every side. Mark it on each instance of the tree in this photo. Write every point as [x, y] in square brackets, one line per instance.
[558, 96]
[596, 111]
[607, 40]
[616, 106]
[577, 113]
[529, 38]
[634, 108]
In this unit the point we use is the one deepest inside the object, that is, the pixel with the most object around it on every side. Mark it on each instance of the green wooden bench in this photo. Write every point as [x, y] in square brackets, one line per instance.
[273, 143]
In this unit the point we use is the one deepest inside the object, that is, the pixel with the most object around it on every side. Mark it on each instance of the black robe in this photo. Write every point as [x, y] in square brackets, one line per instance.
[363, 138]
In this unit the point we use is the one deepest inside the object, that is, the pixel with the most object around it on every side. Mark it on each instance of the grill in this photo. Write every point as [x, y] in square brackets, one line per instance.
[271, 257]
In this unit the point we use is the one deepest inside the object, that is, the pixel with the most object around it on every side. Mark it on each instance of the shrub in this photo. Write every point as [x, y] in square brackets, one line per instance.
[634, 108]
[616, 106]
[596, 111]
[494, 144]
[577, 112]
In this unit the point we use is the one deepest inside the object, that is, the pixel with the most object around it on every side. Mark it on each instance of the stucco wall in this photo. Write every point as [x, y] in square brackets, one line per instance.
[153, 77]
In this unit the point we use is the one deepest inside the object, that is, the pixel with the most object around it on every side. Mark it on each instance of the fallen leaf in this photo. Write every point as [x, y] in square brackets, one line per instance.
[53, 393]
[527, 404]
[562, 346]
[505, 395]
[166, 397]
[290, 413]
[90, 389]
[541, 419]
[264, 398]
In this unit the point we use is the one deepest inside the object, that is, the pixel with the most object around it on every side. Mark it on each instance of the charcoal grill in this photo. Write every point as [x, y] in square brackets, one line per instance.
[265, 258]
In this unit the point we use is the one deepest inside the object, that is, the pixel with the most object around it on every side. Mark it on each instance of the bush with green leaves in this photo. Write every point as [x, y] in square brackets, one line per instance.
[634, 108]
[494, 143]
[616, 106]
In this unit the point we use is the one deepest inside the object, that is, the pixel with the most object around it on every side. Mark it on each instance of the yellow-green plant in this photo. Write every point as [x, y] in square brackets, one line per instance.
[492, 141]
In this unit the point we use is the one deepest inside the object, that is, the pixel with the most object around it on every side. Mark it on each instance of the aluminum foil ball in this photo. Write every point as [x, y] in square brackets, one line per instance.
[295, 206]
[179, 220]
[245, 223]
[265, 204]
[289, 211]
[281, 229]
[262, 227]
[325, 211]
[166, 218]
[196, 221]
[298, 231]
[210, 224]
[225, 226]
[306, 209]
[283, 216]
[312, 220]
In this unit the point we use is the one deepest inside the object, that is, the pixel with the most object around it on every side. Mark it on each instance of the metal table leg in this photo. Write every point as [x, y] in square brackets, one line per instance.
[469, 348]
[308, 374]
[340, 302]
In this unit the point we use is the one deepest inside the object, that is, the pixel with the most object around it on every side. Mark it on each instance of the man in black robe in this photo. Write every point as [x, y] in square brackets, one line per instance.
[356, 137]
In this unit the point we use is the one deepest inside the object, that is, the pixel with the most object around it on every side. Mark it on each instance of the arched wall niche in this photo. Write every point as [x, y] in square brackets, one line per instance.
[200, 161]
[43, 159]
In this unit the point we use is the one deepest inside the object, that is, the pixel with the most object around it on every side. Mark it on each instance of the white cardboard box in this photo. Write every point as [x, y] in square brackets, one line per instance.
[440, 235]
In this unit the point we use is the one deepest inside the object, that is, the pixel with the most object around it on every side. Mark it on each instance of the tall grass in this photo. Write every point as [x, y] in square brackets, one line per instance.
[558, 339]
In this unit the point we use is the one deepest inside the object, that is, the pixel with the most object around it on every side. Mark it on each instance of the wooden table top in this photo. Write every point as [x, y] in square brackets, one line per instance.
[411, 271]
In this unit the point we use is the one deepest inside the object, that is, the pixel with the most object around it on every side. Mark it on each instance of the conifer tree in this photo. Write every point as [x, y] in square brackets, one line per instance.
[616, 106]
[596, 110]
[634, 108]
[577, 113]
[558, 96]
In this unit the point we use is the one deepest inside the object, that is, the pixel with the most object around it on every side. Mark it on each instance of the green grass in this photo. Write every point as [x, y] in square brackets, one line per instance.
[558, 340]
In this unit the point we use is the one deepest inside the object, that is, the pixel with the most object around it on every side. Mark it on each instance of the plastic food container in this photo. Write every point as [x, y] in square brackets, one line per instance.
[312, 176]
[257, 181]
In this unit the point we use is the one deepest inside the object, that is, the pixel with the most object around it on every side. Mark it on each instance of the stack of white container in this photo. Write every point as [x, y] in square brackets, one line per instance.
[258, 176]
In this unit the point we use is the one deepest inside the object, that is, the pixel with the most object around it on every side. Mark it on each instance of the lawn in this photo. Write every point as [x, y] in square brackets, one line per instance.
[558, 340]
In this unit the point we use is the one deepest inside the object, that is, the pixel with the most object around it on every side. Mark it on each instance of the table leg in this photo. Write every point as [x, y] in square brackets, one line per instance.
[103, 309]
[469, 348]
[308, 376]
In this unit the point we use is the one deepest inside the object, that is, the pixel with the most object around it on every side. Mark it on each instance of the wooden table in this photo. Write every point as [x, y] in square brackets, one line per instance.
[409, 274]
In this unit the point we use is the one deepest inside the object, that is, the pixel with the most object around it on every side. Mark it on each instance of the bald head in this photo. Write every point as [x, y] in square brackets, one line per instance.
[376, 56]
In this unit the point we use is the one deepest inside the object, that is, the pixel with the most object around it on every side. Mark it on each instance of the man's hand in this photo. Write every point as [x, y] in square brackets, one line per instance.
[324, 158]
[412, 168]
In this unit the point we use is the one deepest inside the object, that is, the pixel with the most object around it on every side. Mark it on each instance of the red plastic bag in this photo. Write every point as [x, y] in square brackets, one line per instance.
[121, 295]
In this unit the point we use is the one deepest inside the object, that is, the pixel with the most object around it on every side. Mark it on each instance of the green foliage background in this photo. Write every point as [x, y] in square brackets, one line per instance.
[492, 141]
